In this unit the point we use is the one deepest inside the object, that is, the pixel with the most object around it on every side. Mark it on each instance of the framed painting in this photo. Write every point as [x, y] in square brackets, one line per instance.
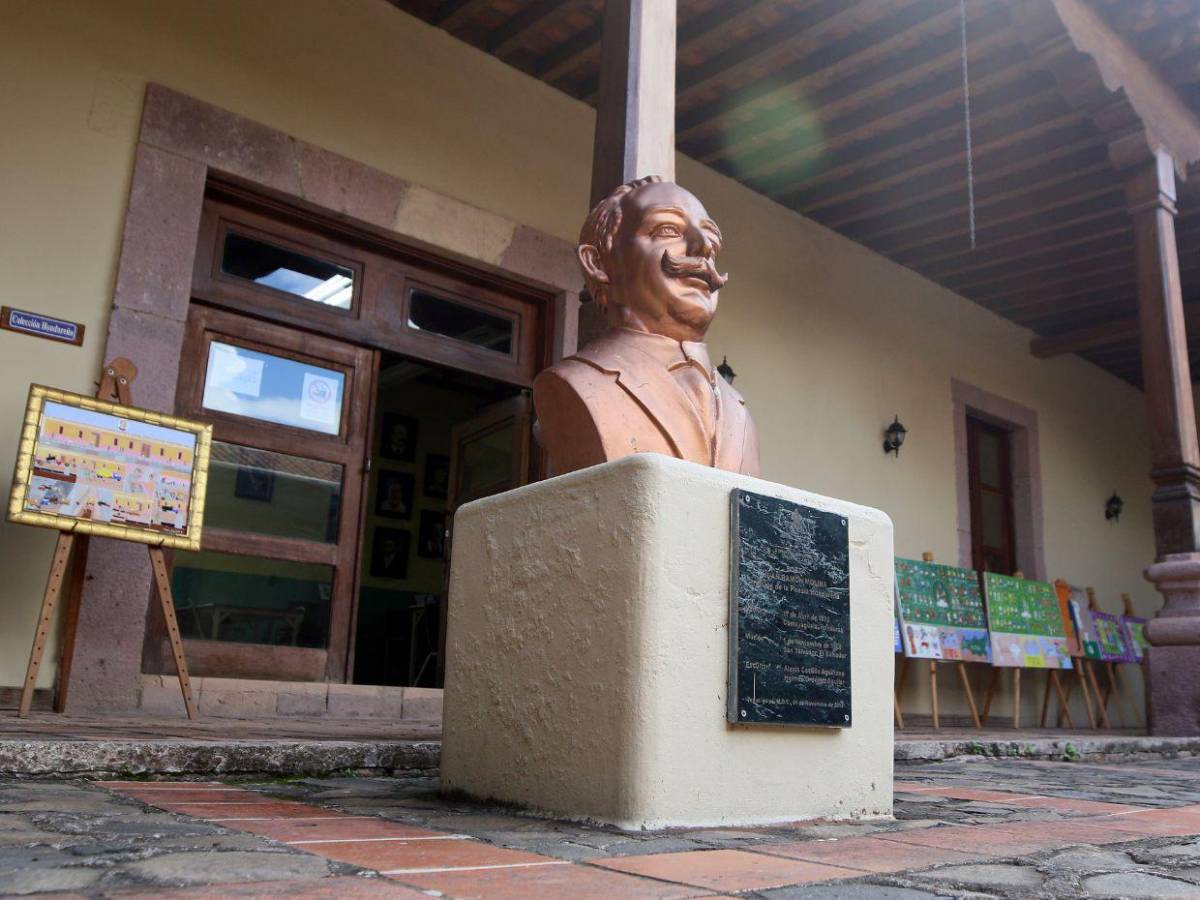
[93, 467]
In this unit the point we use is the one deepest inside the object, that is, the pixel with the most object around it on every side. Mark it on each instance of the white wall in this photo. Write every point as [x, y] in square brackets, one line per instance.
[829, 339]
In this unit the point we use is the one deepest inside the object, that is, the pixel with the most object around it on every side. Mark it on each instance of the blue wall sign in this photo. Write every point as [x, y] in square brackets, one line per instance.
[41, 326]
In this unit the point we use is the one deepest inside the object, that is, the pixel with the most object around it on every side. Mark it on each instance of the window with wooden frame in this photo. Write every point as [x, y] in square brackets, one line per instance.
[989, 466]
[281, 263]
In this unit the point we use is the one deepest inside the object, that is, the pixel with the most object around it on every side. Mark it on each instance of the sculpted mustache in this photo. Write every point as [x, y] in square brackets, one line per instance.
[693, 267]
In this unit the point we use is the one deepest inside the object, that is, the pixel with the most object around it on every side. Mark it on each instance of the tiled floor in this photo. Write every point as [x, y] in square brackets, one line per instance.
[958, 826]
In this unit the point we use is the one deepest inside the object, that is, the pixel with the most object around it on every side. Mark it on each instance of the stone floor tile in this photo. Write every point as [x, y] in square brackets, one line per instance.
[964, 793]
[35, 881]
[1088, 859]
[1134, 885]
[849, 890]
[347, 828]
[180, 785]
[727, 870]
[253, 809]
[392, 856]
[989, 876]
[997, 841]
[1085, 807]
[870, 854]
[203, 867]
[519, 883]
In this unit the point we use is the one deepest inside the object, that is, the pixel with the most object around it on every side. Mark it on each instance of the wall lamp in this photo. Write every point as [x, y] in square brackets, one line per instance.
[1113, 506]
[894, 437]
[725, 370]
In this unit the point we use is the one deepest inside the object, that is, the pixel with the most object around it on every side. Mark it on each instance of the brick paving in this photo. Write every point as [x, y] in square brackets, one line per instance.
[962, 828]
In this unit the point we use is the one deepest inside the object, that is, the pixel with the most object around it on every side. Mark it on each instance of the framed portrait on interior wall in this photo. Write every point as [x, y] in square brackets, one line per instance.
[431, 537]
[389, 553]
[253, 483]
[437, 475]
[394, 495]
[398, 437]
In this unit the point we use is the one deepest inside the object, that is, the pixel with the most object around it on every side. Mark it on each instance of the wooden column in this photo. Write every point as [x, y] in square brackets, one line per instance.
[635, 113]
[1166, 374]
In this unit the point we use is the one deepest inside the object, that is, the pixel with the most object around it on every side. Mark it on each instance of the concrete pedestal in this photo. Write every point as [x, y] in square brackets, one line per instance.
[586, 658]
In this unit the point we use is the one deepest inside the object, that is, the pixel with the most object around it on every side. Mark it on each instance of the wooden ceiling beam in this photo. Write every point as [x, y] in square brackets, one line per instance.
[856, 71]
[503, 41]
[1086, 338]
[954, 254]
[453, 14]
[1044, 150]
[569, 56]
[1031, 202]
[1038, 251]
[901, 117]
[941, 150]
[808, 24]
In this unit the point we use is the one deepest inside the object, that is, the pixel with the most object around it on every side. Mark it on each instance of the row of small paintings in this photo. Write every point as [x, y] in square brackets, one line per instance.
[944, 612]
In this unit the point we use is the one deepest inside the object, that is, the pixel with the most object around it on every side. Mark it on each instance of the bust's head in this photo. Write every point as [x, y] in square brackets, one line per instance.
[648, 252]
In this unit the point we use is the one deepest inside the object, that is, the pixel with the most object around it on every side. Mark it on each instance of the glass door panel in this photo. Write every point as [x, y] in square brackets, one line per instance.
[270, 594]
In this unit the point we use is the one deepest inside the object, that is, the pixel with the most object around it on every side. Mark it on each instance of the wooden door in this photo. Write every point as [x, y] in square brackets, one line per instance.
[489, 453]
[271, 594]
[989, 465]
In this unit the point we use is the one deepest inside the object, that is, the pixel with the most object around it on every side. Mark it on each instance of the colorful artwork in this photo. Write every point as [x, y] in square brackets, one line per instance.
[1025, 622]
[1135, 636]
[1113, 646]
[897, 646]
[1063, 591]
[941, 612]
[1085, 626]
[96, 467]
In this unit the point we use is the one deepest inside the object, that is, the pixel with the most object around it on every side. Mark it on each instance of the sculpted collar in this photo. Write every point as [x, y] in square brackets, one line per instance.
[670, 352]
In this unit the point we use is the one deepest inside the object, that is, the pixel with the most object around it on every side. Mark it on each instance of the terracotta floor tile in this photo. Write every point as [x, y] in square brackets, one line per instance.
[726, 870]
[257, 809]
[911, 786]
[870, 854]
[989, 839]
[1062, 833]
[1070, 804]
[176, 796]
[348, 828]
[158, 785]
[390, 856]
[576, 882]
[1159, 822]
[350, 887]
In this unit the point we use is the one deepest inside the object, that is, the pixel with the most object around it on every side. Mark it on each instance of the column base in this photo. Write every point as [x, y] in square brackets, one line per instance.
[1173, 691]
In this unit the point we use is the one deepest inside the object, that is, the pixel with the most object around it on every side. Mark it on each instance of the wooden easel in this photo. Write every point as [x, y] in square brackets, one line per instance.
[1102, 697]
[68, 564]
[991, 691]
[1064, 695]
[959, 666]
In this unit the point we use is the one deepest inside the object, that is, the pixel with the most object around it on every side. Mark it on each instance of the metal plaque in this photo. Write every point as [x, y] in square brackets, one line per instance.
[789, 614]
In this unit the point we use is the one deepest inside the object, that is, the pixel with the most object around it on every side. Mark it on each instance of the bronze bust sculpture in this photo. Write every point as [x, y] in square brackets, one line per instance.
[647, 385]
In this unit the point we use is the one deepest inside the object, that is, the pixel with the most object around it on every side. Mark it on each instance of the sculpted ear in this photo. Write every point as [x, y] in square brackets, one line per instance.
[589, 258]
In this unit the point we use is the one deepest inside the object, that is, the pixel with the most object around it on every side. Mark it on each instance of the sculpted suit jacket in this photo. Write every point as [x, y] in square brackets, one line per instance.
[612, 399]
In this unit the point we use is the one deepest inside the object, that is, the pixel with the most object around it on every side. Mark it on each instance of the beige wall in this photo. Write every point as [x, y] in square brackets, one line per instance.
[829, 340]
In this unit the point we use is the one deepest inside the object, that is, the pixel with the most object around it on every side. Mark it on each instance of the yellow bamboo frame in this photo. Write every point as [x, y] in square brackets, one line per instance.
[38, 396]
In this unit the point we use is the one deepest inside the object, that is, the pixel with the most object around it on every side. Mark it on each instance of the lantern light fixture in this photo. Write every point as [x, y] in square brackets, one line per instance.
[894, 437]
[725, 370]
[1113, 507]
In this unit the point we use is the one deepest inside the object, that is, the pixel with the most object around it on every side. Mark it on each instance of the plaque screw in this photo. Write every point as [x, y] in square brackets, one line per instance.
[743, 714]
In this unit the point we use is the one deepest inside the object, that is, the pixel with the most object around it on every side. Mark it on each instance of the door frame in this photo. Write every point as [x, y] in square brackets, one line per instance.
[183, 144]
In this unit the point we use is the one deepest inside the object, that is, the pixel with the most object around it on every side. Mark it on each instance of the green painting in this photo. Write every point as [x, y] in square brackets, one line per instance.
[1026, 623]
[941, 612]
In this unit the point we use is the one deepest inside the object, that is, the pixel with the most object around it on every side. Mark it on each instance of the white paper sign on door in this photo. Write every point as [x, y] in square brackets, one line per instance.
[319, 401]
